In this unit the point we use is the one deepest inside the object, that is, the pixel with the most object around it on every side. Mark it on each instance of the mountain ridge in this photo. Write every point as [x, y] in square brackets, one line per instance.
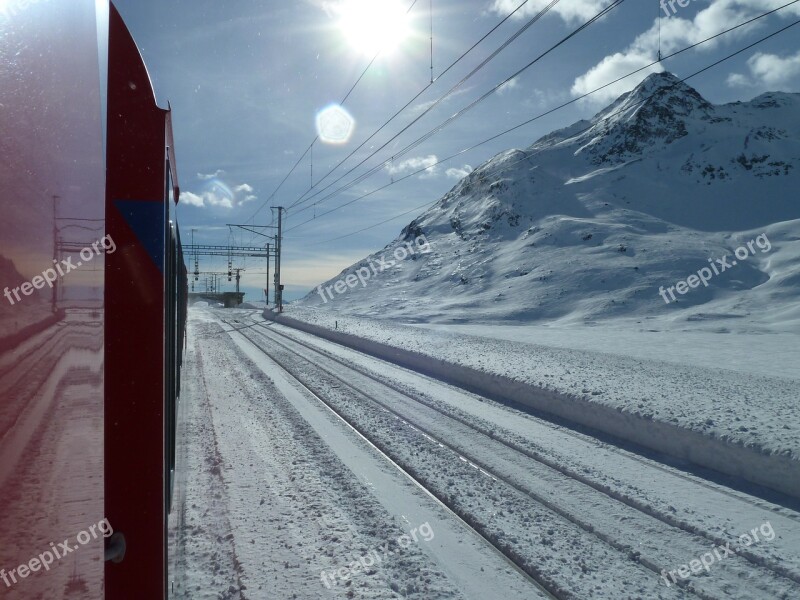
[611, 209]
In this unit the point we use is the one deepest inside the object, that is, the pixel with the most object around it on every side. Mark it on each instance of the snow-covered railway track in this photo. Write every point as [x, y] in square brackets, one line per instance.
[671, 520]
[512, 560]
[761, 499]
[507, 464]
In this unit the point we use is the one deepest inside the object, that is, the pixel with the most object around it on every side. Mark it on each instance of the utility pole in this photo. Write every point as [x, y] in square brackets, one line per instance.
[256, 230]
[54, 304]
[278, 248]
[266, 290]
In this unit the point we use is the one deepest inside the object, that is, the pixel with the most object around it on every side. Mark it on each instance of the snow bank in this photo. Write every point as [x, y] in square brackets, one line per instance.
[775, 467]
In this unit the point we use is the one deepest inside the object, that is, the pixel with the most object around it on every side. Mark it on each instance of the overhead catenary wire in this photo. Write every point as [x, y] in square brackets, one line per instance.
[311, 145]
[412, 100]
[379, 167]
[564, 105]
[544, 11]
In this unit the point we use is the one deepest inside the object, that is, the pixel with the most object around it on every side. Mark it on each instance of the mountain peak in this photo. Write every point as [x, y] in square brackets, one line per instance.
[658, 92]
[658, 81]
[656, 109]
[655, 184]
[656, 112]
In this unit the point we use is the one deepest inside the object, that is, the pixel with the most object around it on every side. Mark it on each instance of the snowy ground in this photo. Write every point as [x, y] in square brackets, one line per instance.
[764, 354]
[739, 387]
[280, 491]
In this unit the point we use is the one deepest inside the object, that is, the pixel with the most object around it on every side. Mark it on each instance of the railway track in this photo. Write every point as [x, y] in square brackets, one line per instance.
[310, 389]
[510, 465]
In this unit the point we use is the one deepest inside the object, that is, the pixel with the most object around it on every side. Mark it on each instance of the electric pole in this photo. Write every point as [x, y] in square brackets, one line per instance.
[278, 248]
[266, 290]
[256, 230]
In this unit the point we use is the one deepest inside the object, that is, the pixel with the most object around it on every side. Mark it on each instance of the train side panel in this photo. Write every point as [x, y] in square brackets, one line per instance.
[92, 308]
[135, 295]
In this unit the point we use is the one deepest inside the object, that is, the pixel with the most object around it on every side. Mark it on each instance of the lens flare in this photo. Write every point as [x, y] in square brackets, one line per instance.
[335, 125]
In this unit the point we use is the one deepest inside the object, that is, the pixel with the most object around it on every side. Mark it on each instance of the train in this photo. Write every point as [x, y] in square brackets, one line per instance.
[94, 309]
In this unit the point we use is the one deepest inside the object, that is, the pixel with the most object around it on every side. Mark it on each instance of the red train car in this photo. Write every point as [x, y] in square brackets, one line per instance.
[93, 307]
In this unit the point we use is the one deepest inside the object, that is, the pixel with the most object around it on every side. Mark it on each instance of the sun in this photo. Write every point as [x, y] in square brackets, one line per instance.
[374, 25]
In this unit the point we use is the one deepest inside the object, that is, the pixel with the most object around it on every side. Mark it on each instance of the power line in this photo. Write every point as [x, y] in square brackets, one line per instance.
[311, 146]
[410, 102]
[438, 101]
[577, 99]
[461, 112]
[390, 219]
[574, 100]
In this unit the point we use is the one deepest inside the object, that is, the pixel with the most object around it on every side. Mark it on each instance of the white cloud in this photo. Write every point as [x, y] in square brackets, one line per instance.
[610, 68]
[458, 173]
[774, 71]
[209, 176]
[572, 11]
[508, 85]
[676, 33]
[537, 98]
[415, 164]
[768, 72]
[738, 80]
[423, 106]
[208, 198]
[218, 194]
[191, 199]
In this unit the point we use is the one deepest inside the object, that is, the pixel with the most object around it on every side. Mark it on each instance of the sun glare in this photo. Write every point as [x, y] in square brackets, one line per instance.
[373, 25]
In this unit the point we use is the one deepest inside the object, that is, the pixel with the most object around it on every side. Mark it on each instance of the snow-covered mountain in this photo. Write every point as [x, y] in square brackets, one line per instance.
[592, 221]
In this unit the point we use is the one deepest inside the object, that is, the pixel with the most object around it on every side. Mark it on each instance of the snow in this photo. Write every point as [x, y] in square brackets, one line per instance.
[509, 369]
[619, 476]
[552, 270]
[590, 222]
[278, 493]
[770, 355]
[280, 490]
[662, 405]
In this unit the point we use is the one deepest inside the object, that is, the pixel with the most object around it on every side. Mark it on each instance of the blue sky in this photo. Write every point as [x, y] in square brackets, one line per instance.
[247, 80]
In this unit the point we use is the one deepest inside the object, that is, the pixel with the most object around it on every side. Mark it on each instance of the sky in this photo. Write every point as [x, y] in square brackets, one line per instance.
[253, 83]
